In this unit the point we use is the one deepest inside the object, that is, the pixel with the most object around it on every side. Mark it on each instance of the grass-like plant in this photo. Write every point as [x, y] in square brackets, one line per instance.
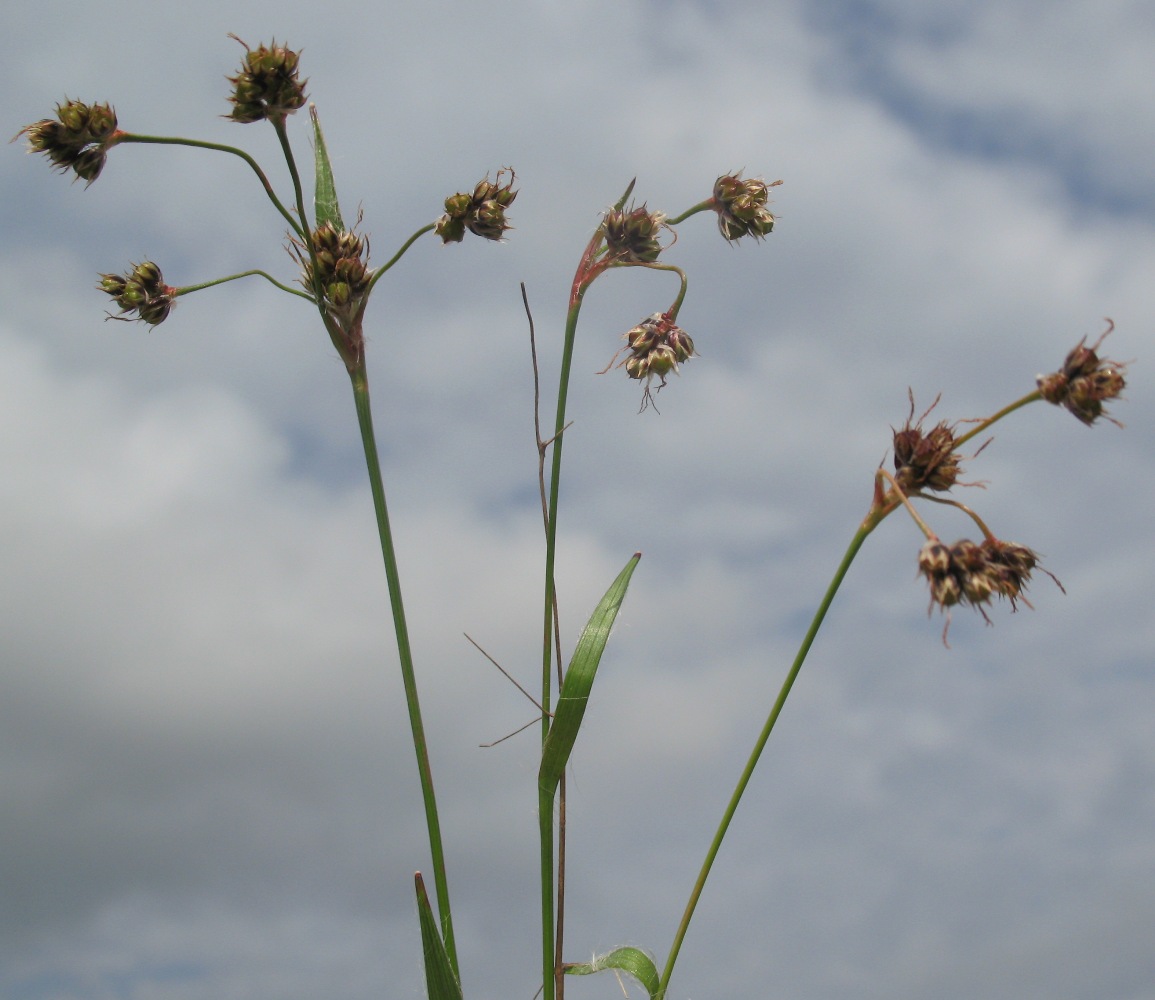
[336, 280]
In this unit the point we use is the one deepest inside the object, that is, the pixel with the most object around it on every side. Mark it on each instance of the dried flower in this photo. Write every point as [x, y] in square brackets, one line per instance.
[972, 573]
[741, 206]
[267, 86]
[482, 213]
[632, 235]
[142, 291]
[1085, 381]
[925, 460]
[78, 139]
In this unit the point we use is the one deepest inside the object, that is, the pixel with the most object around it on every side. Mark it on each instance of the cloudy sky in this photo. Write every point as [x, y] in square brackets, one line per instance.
[206, 789]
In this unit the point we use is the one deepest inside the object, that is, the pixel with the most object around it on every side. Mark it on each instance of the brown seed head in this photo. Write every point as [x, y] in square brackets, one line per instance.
[1085, 382]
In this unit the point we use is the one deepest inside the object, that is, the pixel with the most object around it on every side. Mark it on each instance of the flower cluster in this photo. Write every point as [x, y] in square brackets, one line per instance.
[925, 460]
[1085, 381]
[77, 139]
[631, 235]
[657, 346]
[973, 573]
[482, 213]
[741, 207]
[337, 270]
[142, 291]
[267, 87]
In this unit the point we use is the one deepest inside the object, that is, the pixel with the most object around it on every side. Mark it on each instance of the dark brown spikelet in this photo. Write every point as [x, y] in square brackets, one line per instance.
[1086, 381]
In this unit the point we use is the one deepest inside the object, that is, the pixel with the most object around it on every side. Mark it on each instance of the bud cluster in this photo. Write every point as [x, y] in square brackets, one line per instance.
[631, 235]
[341, 271]
[78, 139]
[657, 346]
[741, 207]
[142, 291]
[1085, 381]
[267, 86]
[482, 213]
[970, 573]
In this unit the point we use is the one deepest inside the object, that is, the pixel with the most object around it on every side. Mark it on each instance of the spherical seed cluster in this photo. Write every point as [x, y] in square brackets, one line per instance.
[657, 346]
[1085, 381]
[741, 207]
[78, 139]
[482, 212]
[267, 87]
[632, 235]
[142, 291]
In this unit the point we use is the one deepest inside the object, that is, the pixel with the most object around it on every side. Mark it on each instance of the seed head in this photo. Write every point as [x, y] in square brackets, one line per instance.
[1085, 381]
[266, 87]
[142, 291]
[78, 139]
[482, 212]
[973, 573]
[741, 207]
[925, 460]
[657, 346]
[632, 235]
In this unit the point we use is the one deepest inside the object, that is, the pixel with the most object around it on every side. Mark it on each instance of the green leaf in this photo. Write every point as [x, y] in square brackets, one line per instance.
[440, 982]
[325, 207]
[579, 679]
[637, 963]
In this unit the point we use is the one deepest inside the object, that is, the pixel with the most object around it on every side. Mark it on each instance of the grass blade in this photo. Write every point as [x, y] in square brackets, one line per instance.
[440, 982]
[579, 679]
[325, 207]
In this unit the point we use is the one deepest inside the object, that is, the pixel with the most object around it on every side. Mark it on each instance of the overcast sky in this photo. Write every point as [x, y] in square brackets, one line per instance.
[206, 786]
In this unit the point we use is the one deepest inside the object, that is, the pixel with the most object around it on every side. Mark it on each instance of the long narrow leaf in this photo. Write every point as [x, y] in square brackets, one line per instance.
[440, 982]
[325, 207]
[579, 679]
[637, 963]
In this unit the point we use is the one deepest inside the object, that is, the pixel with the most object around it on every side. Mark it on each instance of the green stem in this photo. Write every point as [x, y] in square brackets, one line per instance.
[397, 256]
[164, 140]
[545, 802]
[185, 289]
[420, 746]
[872, 520]
[978, 428]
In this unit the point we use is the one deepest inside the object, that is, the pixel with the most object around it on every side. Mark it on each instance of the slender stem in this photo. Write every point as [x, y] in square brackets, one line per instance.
[378, 272]
[871, 521]
[1030, 397]
[702, 206]
[185, 289]
[373, 465]
[550, 945]
[164, 140]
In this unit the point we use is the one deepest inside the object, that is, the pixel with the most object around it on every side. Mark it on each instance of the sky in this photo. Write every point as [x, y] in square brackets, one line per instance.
[207, 785]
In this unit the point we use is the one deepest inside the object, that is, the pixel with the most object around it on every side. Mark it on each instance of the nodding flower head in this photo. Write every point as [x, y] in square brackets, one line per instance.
[141, 291]
[482, 212]
[974, 574]
[632, 235]
[1085, 381]
[657, 346]
[741, 207]
[266, 87]
[77, 139]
